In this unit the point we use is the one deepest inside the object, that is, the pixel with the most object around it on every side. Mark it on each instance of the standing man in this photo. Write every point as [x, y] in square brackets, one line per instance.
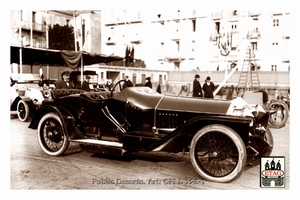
[65, 82]
[197, 90]
[127, 83]
[86, 83]
[208, 88]
[148, 83]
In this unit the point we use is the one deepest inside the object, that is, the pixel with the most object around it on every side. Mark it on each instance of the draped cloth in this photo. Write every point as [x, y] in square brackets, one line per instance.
[72, 58]
[36, 56]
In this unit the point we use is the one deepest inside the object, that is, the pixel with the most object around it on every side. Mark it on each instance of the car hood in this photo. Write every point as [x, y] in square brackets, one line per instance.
[145, 98]
[193, 104]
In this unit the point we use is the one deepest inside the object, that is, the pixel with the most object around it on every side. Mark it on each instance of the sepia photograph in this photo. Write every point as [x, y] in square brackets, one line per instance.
[164, 98]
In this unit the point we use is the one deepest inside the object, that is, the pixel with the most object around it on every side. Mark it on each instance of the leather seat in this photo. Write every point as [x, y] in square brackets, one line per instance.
[96, 95]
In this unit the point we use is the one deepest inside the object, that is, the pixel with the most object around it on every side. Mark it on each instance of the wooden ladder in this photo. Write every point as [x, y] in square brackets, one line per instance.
[249, 72]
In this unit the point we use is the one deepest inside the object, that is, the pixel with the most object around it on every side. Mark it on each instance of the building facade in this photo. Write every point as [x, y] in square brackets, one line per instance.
[188, 39]
[167, 40]
[29, 29]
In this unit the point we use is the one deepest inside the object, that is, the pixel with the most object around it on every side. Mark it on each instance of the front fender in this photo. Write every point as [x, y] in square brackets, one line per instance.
[181, 137]
[66, 117]
[13, 106]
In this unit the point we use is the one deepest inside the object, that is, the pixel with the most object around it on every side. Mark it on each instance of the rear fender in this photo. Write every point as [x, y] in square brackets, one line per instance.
[66, 117]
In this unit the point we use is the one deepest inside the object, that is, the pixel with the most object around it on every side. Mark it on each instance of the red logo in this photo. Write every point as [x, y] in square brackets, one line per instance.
[272, 173]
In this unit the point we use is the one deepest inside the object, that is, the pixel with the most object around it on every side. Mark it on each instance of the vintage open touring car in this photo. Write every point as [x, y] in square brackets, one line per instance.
[221, 136]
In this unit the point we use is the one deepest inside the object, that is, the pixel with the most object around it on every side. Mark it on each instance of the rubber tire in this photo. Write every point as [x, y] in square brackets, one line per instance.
[26, 110]
[273, 124]
[66, 142]
[242, 153]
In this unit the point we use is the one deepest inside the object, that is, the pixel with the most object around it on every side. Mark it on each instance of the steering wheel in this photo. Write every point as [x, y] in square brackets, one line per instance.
[118, 87]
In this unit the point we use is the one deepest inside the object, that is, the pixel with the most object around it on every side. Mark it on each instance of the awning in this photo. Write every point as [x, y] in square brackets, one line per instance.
[35, 56]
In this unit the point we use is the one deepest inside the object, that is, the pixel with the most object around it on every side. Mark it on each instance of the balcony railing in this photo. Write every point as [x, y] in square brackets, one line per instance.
[39, 43]
[35, 26]
[253, 13]
[217, 15]
[110, 41]
[253, 35]
[136, 39]
[233, 13]
[175, 56]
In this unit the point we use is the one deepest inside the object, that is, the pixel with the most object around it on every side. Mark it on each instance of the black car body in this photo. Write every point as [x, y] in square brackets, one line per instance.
[220, 136]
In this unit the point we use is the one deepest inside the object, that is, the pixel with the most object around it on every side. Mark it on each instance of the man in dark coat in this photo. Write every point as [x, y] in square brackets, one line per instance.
[208, 88]
[86, 83]
[148, 83]
[65, 82]
[197, 90]
[127, 83]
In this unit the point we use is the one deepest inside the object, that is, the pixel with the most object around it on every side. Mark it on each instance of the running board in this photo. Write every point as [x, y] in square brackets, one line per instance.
[98, 142]
[101, 146]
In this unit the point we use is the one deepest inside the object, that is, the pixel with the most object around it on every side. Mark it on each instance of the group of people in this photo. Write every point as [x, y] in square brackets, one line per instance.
[66, 83]
[208, 87]
[128, 82]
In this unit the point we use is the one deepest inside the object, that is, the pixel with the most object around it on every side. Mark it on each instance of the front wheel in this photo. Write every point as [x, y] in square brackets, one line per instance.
[218, 153]
[280, 114]
[51, 137]
[23, 111]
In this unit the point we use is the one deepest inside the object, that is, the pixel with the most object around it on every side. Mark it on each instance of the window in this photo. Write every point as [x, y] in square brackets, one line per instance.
[177, 65]
[233, 13]
[273, 67]
[276, 22]
[193, 46]
[234, 28]
[162, 47]
[177, 26]
[217, 27]
[112, 31]
[33, 17]
[160, 79]
[194, 25]
[254, 45]
[177, 45]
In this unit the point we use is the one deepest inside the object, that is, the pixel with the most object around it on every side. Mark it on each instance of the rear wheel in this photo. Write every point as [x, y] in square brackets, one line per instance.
[52, 139]
[23, 111]
[218, 153]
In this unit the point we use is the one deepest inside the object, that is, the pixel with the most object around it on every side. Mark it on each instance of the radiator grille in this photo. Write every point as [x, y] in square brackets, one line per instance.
[167, 120]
